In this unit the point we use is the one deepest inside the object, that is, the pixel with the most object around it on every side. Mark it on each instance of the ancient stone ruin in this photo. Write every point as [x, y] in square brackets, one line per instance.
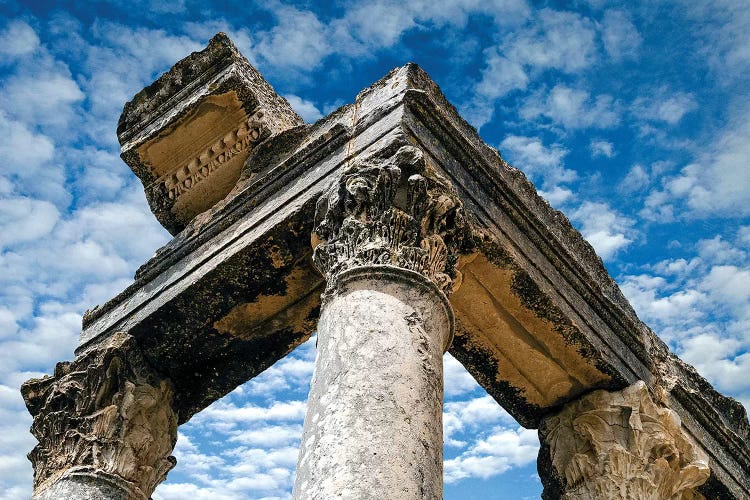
[393, 231]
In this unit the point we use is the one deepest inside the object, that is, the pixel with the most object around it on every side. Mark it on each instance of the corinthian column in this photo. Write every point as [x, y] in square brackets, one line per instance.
[609, 445]
[386, 239]
[105, 426]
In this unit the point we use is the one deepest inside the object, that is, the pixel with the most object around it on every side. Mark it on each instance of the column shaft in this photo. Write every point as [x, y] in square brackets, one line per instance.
[374, 420]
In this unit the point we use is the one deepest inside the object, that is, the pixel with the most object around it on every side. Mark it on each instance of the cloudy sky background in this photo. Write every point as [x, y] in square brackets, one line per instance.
[631, 117]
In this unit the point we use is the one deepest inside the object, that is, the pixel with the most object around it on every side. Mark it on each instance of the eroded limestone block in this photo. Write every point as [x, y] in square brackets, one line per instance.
[621, 445]
[187, 135]
[105, 425]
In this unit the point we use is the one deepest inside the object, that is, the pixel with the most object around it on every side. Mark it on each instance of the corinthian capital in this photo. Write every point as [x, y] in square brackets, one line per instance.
[391, 211]
[622, 445]
[104, 418]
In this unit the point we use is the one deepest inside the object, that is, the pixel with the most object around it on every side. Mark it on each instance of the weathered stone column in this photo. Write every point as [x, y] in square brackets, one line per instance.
[105, 426]
[609, 445]
[386, 237]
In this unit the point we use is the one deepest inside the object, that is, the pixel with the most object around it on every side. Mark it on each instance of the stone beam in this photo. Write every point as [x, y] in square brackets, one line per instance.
[539, 322]
[197, 122]
[237, 284]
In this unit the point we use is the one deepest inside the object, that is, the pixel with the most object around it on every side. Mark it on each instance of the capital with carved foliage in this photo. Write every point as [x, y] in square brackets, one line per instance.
[395, 211]
[620, 445]
[105, 425]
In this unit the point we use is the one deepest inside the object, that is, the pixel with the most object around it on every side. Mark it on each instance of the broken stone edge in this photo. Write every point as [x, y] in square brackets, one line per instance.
[215, 70]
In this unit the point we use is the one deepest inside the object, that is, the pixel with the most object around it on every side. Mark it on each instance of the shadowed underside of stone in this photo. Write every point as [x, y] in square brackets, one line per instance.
[538, 320]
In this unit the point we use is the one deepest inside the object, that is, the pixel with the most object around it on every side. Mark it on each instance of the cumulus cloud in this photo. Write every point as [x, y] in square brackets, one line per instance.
[25, 219]
[502, 449]
[716, 183]
[606, 230]
[306, 109]
[559, 40]
[556, 40]
[636, 179]
[619, 35]
[17, 38]
[530, 155]
[665, 106]
[722, 25]
[573, 108]
[601, 148]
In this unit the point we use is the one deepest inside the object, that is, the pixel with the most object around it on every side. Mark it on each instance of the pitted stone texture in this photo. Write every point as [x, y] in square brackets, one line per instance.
[187, 135]
[621, 445]
[391, 210]
[90, 485]
[373, 428]
[104, 423]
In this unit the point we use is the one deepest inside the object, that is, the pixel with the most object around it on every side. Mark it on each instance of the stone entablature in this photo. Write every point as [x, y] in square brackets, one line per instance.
[236, 142]
[199, 119]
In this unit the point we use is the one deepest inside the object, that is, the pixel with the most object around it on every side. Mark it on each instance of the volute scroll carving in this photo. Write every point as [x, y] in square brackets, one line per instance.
[391, 211]
[622, 445]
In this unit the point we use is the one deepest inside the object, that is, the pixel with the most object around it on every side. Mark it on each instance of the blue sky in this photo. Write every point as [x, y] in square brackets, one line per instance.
[633, 118]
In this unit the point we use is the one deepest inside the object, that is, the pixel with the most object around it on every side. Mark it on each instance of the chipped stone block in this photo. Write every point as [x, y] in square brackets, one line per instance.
[188, 134]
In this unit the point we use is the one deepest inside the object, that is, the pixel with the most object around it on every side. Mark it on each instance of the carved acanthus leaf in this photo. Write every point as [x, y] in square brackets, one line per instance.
[105, 411]
[390, 211]
[622, 445]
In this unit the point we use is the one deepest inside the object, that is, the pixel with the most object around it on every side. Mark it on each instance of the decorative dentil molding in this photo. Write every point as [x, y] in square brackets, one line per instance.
[238, 141]
[622, 445]
[394, 211]
[105, 412]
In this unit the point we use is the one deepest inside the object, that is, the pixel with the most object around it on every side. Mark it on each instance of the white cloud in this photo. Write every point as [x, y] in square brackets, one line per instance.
[716, 183]
[722, 26]
[636, 180]
[556, 40]
[501, 450]
[306, 109]
[500, 76]
[298, 41]
[719, 181]
[557, 196]
[559, 40]
[716, 358]
[25, 219]
[457, 380]
[43, 96]
[620, 36]
[658, 304]
[602, 148]
[665, 106]
[718, 251]
[573, 108]
[606, 230]
[537, 160]
[20, 160]
[18, 39]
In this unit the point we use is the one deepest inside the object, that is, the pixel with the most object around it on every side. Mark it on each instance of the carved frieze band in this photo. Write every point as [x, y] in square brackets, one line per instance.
[238, 141]
[105, 411]
[392, 211]
[622, 445]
